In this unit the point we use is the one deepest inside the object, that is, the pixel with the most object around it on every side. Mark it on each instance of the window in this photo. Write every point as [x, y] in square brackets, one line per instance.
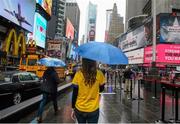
[32, 62]
[25, 77]
[4, 78]
[23, 61]
[15, 79]
[34, 77]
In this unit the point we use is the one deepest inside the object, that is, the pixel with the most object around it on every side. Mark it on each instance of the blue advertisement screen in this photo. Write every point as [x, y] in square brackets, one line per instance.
[40, 30]
[170, 29]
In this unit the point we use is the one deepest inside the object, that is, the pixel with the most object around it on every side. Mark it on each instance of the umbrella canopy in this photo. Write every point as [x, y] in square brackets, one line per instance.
[51, 62]
[103, 52]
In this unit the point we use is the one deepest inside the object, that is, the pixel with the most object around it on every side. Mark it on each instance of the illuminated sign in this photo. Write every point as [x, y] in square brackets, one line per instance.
[133, 40]
[165, 53]
[54, 45]
[69, 29]
[31, 46]
[46, 5]
[18, 42]
[21, 12]
[40, 25]
[135, 56]
[169, 28]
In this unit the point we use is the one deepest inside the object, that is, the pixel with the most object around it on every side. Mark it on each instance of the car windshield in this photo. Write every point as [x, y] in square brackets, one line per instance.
[25, 77]
[4, 78]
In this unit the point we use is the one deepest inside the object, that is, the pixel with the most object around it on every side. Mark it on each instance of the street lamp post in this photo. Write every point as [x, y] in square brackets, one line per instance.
[154, 32]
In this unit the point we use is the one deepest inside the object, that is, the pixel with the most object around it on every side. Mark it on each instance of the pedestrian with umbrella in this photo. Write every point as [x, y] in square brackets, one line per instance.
[88, 82]
[50, 84]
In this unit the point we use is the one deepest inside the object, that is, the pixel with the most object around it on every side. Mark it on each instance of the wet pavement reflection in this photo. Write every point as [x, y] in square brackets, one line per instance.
[115, 107]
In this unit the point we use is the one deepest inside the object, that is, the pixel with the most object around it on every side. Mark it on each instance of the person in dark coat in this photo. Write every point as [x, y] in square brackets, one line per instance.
[128, 76]
[49, 87]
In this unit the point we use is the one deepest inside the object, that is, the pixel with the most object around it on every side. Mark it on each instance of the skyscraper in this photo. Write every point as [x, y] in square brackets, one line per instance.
[90, 27]
[58, 9]
[108, 18]
[73, 13]
[116, 26]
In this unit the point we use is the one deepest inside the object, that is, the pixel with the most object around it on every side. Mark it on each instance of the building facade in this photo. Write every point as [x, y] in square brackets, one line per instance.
[133, 8]
[137, 10]
[90, 27]
[137, 42]
[58, 9]
[116, 26]
[73, 13]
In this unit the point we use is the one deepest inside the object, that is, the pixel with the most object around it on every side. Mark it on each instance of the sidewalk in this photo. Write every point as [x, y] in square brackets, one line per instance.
[114, 108]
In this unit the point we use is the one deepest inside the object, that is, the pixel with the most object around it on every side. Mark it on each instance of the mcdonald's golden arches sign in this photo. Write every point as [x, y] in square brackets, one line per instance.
[17, 41]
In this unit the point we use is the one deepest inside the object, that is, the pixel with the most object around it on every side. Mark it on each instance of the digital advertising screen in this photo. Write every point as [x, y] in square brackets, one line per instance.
[165, 53]
[46, 5]
[20, 12]
[73, 55]
[169, 28]
[69, 29]
[40, 25]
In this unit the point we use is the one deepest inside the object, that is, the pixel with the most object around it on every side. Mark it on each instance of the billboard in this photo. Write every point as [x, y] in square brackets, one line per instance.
[165, 53]
[169, 28]
[20, 12]
[133, 40]
[46, 5]
[40, 25]
[69, 29]
[71, 51]
[135, 56]
[56, 48]
[92, 34]
[54, 45]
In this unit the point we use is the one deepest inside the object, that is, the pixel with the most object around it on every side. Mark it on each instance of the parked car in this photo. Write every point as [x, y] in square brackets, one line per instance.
[15, 84]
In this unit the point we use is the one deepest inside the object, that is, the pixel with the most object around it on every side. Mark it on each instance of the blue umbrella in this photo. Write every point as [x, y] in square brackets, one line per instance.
[103, 52]
[51, 62]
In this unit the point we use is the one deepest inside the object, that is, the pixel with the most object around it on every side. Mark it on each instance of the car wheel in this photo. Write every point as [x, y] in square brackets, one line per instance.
[17, 98]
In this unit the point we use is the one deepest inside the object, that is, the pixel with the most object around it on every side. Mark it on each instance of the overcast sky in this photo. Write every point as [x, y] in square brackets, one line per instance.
[102, 6]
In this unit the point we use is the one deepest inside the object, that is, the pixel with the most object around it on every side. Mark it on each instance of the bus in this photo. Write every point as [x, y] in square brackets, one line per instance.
[28, 62]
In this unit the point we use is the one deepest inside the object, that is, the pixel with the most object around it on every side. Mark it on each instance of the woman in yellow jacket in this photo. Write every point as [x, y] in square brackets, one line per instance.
[88, 82]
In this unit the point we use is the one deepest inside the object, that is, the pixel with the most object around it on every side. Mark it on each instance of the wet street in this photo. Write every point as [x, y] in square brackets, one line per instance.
[116, 106]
